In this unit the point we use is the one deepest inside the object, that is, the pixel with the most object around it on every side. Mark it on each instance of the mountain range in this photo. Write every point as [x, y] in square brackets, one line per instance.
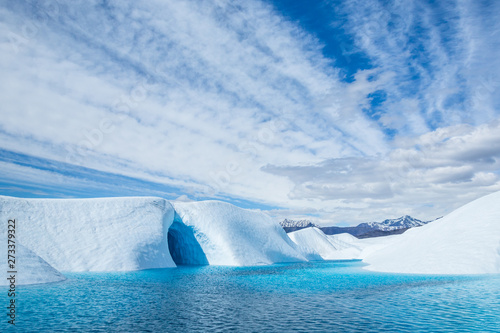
[362, 230]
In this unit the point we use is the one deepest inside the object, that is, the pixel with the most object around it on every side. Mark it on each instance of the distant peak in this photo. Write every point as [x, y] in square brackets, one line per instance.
[286, 223]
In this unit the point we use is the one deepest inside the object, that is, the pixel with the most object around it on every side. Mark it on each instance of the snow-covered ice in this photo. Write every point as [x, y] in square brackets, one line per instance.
[466, 241]
[106, 234]
[31, 269]
[120, 234]
[344, 238]
[336, 247]
[344, 241]
[313, 241]
[374, 244]
[233, 236]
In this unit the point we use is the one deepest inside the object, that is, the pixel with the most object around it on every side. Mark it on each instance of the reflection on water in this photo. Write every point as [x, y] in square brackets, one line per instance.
[308, 297]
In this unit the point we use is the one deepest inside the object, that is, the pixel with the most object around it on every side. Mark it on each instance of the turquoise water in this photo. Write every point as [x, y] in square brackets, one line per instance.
[304, 297]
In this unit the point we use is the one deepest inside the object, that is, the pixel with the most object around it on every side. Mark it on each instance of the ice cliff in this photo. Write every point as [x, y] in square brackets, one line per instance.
[120, 234]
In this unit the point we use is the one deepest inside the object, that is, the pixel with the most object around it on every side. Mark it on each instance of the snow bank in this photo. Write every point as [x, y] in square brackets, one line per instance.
[335, 247]
[228, 235]
[106, 234]
[344, 238]
[339, 246]
[31, 269]
[374, 244]
[467, 241]
[313, 241]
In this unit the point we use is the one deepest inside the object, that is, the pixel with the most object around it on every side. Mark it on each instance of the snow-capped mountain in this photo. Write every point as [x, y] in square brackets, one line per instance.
[374, 229]
[367, 229]
[404, 222]
[293, 225]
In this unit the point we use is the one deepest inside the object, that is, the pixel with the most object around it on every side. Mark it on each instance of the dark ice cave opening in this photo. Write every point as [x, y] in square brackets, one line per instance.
[183, 246]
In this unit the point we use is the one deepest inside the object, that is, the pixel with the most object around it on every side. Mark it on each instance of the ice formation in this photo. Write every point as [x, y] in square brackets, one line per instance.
[120, 234]
[466, 241]
[107, 234]
[336, 247]
[228, 235]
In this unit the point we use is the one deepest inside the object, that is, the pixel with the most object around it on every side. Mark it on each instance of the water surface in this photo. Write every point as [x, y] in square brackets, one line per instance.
[307, 297]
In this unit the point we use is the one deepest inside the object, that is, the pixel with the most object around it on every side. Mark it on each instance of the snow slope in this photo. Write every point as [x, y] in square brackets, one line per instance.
[347, 244]
[344, 237]
[106, 234]
[313, 240]
[339, 246]
[30, 268]
[467, 241]
[228, 235]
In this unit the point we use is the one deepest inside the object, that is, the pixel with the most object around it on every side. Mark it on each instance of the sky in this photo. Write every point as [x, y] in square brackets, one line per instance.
[339, 112]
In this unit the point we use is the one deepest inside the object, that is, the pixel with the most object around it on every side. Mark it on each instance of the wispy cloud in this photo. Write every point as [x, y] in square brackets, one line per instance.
[178, 82]
[224, 100]
[441, 55]
[426, 176]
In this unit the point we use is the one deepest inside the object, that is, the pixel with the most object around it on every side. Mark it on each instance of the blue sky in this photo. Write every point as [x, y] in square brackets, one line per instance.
[338, 111]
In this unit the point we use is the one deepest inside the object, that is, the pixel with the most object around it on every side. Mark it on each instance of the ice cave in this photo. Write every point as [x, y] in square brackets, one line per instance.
[183, 246]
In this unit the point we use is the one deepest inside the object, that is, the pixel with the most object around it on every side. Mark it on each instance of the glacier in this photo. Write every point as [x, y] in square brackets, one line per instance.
[313, 241]
[133, 233]
[232, 236]
[105, 234]
[466, 241]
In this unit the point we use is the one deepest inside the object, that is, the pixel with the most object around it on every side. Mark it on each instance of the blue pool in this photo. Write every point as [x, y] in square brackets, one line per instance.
[329, 296]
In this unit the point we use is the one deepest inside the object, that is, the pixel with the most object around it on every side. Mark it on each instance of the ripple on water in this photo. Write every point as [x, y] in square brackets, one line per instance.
[305, 297]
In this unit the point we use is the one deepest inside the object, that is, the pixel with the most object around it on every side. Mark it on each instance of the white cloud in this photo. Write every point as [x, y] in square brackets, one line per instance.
[180, 93]
[226, 99]
[442, 56]
[440, 171]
